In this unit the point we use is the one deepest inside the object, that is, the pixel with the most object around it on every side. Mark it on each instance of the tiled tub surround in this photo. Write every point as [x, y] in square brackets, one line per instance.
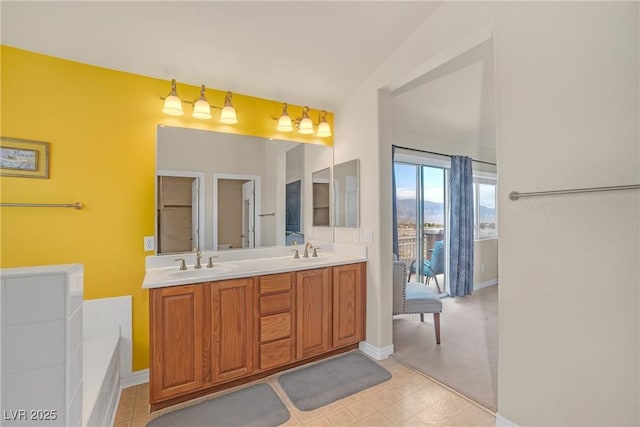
[163, 270]
[41, 345]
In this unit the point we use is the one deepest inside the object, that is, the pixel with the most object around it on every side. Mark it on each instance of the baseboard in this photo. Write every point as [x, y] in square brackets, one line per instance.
[503, 422]
[486, 284]
[134, 378]
[376, 352]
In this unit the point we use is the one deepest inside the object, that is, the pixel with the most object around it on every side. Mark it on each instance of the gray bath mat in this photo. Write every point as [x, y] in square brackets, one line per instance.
[318, 385]
[257, 405]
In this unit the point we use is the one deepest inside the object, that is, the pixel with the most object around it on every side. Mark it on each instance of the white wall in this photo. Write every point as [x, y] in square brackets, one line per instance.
[567, 95]
[485, 252]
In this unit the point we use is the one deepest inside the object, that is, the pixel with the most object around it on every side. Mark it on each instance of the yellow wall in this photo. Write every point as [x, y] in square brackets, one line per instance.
[101, 125]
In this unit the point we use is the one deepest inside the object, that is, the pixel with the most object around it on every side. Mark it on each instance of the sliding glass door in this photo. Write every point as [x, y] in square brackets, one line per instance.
[421, 203]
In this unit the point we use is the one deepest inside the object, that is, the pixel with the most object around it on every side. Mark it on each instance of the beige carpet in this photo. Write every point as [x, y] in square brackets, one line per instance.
[467, 358]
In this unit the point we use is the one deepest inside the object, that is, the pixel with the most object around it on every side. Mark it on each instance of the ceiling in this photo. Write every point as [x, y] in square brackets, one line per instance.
[454, 103]
[304, 52]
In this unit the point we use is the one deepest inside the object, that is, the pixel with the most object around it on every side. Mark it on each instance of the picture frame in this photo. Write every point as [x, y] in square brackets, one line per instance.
[24, 158]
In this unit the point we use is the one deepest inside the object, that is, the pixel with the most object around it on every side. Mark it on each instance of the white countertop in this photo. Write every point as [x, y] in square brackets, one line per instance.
[164, 271]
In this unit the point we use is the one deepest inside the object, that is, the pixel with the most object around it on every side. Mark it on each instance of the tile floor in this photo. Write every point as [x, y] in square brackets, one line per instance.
[407, 399]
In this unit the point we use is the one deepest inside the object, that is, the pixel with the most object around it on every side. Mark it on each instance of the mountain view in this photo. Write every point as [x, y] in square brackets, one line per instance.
[434, 212]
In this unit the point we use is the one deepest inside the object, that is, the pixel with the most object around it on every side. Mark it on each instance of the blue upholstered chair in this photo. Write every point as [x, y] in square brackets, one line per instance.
[431, 268]
[411, 297]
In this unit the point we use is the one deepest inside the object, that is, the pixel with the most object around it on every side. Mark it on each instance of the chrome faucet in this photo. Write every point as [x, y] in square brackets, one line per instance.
[307, 246]
[183, 265]
[296, 255]
[210, 264]
[198, 257]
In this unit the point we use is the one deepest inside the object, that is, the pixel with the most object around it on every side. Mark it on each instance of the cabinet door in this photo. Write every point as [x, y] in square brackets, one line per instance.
[232, 328]
[313, 307]
[176, 340]
[348, 303]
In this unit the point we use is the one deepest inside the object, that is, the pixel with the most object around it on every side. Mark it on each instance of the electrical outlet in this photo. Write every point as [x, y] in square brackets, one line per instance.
[149, 243]
[482, 267]
[356, 235]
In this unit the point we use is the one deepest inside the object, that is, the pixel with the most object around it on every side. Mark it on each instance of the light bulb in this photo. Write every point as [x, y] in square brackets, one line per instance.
[201, 108]
[228, 116]
[172, 104]
[324, 129]
[284, 122]
[228, 113]
[306, 125]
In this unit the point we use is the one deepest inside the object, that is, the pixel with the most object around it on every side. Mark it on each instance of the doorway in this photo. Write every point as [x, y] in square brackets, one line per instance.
[446, 111]
[422, 212]
[180, 213]
[235, 200]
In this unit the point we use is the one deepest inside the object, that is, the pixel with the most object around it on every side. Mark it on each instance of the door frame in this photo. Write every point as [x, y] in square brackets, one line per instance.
[201, 196]
[257, 203]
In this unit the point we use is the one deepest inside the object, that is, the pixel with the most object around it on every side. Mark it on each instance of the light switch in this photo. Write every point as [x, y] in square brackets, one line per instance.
[368, 236]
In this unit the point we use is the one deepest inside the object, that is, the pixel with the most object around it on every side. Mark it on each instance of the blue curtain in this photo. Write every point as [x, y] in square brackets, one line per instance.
[461, 227]
[394, 214]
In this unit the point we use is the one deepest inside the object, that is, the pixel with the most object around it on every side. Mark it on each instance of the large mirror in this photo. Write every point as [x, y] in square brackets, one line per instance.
[218, 191]
[346, 190]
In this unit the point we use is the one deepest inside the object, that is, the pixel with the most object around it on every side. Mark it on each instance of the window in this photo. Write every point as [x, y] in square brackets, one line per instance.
[485, 216]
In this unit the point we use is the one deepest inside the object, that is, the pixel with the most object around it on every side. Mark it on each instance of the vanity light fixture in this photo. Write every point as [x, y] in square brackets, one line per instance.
[172, 104]
[284, 122]
[324, 129]
[304, 124]
[201, 107]
[228, 113]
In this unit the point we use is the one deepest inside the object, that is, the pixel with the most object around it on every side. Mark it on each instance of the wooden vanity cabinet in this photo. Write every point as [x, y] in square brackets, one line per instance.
[200, 335]
[349, 289]
[231, 322]
[176, 338]
[275, 320]
[313, 306]
[209, 336]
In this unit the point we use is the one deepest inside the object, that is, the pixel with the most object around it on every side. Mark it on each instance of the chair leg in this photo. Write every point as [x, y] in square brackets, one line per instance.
[437, 284]
[436, 322]
[422, 317]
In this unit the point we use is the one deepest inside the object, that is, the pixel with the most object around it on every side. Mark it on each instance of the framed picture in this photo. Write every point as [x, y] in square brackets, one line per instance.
[24, 158]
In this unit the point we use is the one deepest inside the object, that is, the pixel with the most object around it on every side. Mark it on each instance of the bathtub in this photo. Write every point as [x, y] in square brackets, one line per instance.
[100, 380]
[106, 357]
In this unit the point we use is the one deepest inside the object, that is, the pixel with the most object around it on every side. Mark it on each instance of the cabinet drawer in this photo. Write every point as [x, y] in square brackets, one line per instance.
[275, 283]
[275, 303]
[275, 327]
[275, 353]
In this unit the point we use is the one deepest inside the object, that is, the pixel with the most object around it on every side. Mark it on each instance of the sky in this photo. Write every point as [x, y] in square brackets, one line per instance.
[433, 180]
